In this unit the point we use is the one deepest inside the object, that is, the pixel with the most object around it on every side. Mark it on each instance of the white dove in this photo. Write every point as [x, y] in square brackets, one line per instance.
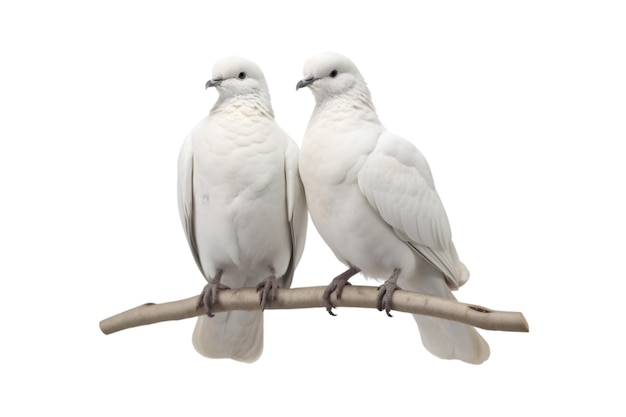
[242, 206]
[372, 198]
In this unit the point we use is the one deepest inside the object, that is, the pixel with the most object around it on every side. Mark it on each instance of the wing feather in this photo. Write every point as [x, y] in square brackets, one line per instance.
[185, 196]
[397, 182]
[296, 209]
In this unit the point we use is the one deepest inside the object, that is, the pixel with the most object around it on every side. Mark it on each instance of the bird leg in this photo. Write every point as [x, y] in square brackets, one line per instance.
[208, 296]
[336, 286]
[385, 291]
[267, 289]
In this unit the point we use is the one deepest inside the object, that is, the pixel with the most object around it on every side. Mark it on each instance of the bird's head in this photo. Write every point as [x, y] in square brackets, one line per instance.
[234, 76]
[329, 74]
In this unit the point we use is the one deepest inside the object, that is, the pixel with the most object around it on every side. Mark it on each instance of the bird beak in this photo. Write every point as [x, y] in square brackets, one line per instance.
[213, 83]
[304, 83]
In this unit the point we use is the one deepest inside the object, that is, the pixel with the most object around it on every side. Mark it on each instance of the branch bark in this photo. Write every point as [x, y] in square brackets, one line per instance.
[310, 297]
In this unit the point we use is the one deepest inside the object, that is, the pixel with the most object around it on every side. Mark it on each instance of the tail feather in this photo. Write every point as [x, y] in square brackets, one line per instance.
[443, 338]
[236, 335]
[447, 339]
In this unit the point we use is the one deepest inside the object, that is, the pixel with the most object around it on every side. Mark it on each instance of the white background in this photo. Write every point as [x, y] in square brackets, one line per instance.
[518, 106]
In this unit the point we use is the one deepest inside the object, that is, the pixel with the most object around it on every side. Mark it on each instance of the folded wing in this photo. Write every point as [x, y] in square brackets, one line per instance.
[397, 182]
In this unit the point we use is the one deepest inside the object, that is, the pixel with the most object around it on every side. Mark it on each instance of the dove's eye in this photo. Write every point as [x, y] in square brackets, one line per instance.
[333, 73]
[241, 75]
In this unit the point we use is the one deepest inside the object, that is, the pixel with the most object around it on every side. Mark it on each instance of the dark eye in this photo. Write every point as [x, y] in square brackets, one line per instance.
[333, 73]
[241, 75]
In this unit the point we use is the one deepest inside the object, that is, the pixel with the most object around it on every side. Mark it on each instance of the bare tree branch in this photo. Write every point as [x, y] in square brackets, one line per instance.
[352, 296]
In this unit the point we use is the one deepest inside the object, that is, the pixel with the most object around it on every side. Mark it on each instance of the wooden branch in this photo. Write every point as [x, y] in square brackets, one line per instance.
[352, 296]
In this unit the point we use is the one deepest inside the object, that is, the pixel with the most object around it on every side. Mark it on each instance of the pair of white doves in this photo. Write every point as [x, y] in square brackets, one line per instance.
[371, 196]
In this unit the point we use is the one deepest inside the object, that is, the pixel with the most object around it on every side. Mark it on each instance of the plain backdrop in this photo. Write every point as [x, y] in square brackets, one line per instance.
[518, 106]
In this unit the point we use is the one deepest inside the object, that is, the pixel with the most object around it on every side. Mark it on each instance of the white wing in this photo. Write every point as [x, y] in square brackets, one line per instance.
[397, 182]
[185, 195]
[296, 209]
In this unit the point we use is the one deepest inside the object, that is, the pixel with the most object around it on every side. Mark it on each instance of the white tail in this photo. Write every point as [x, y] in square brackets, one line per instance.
[445, 339]
[236, 335]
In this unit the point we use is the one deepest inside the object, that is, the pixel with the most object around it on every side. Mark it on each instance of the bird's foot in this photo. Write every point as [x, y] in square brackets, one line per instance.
[267, 290]
[385, 292]
[336, 286]
[208, 296]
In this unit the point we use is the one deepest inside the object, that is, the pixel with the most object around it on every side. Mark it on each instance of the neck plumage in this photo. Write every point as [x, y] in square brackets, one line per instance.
[355, 102]
[246, 103]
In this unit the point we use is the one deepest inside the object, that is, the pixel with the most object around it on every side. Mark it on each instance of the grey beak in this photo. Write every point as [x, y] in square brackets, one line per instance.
[305, 82]
[212, 83]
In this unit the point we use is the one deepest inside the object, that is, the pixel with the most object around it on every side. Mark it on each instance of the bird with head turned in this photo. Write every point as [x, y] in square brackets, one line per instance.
[372, 197]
